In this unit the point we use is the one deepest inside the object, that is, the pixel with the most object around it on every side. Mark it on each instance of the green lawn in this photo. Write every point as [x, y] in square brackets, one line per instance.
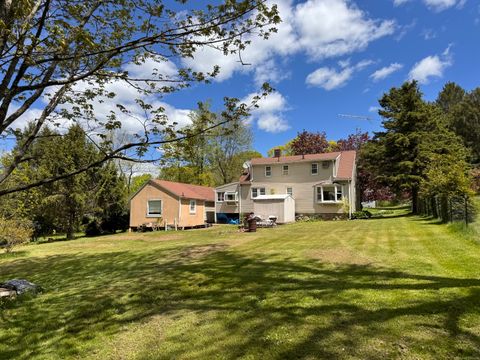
[398, 287]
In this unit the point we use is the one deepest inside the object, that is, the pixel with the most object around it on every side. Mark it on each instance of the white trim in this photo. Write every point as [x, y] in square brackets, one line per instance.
[216, 196]
[190, 207]
[148, 209]
[311, 169]
[258, 191]
[235, 199]
[270, 167]
[323, 201]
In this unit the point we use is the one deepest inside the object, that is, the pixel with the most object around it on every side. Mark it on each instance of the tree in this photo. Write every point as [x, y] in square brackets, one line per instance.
[465, 120]
[231, 146]
[309, 143]
[450, 96]
[67, 54]
[353, 141]
[137, 182]
[63, 204]
[285, 150]
[393, 154]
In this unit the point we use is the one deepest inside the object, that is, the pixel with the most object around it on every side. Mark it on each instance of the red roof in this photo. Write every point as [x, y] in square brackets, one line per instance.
[346, 165]
[346, 162]
[188, 191]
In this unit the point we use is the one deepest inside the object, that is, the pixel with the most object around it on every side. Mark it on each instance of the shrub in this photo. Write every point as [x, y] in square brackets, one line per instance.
[93, 228]
[363, 214]
[14, 232]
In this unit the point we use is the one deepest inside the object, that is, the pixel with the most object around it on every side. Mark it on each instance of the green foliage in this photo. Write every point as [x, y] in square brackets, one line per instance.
[137, 182]
[363, 214]
[14, 232]
[61, 205]
[214, 157]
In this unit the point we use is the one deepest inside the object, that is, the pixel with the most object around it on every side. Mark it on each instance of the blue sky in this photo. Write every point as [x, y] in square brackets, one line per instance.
[329, 57]
[340, 56]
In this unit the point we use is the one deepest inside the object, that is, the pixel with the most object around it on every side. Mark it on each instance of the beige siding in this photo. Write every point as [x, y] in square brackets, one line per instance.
[170, 209]
[196, 219]
[138, 206]
[297, 173]
[227, 207]
[246, 199]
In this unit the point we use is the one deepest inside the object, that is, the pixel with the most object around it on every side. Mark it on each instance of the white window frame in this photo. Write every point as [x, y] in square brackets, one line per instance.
[148, 208]
[285, 169]
[258, 191]
[291, 190]
[194, 203]
[268, 172]
[338, 189]
[223, 196]
[311, 169]
[235, 197]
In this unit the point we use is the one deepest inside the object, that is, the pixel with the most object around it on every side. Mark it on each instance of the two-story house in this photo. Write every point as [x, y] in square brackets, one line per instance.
[320, 184]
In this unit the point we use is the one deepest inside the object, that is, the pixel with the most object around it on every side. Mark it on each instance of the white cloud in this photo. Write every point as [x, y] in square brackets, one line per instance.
[329, 78]
[329, 28]
[373, 109]
[319, 28]
[430, 67]
[436, 5]
[272, 123]
[399, 2]
[386, 71]
[269, 116]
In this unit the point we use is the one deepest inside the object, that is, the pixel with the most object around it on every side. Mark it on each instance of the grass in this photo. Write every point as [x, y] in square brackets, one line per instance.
[399, 287]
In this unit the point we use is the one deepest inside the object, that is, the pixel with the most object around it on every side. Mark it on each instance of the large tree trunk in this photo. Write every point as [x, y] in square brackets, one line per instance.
[444, 208]
[415, 200]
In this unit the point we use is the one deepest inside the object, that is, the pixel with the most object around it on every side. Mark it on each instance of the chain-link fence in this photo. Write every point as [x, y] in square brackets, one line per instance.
[449, 208]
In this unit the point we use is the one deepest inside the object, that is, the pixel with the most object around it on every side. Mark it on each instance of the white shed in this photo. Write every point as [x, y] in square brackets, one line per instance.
[282, 206]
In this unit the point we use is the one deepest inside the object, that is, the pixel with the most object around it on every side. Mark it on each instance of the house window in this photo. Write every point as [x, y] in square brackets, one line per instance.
[329, 193]
[314, 169]
[231, 196]
[220, 196]
[285, 169]
[290, 191]
[339, 193]
[154, 208]
[325, 164]
[268, 171]
[257, 191]
[193, 206]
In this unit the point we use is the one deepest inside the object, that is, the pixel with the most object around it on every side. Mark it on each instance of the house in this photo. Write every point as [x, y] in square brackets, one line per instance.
[320, 184]
[160, 203]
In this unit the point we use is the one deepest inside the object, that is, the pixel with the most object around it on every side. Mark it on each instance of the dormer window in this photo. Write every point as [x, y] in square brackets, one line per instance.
[314, 169]
[268, 171]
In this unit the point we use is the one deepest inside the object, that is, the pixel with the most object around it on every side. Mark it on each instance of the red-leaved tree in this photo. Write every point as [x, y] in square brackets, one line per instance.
[309, 143]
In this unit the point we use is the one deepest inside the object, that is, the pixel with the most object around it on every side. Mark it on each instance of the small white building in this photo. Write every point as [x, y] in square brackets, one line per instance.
[281, 206]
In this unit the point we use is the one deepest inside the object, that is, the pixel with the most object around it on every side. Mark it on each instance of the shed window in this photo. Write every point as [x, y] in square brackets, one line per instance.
[154, 208]
[193, 206]
[314, 170]
[285, 169]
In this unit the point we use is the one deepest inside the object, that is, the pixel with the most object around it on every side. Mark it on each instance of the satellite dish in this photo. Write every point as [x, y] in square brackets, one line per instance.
[246, 165]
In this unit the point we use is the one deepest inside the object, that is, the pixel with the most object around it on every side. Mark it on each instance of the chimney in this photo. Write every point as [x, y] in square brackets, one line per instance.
[277, 153]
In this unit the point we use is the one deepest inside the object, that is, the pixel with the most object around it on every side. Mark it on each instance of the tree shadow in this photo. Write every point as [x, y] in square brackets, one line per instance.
[252, 300]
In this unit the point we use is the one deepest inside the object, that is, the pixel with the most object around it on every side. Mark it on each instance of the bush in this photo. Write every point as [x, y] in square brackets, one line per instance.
[363, 214]
[93, 228]
[14, 232]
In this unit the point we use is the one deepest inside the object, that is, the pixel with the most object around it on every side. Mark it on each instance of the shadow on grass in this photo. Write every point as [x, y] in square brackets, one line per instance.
[247, 297]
